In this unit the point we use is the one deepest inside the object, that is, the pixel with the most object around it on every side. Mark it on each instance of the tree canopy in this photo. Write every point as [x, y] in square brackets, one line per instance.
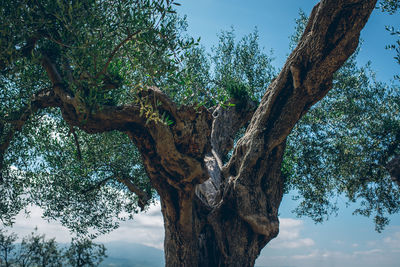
[103, 42]
[109, 105]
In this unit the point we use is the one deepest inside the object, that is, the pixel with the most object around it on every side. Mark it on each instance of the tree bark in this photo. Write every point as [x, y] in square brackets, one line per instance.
[215, 214]
[234, 213]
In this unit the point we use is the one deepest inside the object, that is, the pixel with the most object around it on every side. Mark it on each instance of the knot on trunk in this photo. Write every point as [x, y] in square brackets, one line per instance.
[254, 208]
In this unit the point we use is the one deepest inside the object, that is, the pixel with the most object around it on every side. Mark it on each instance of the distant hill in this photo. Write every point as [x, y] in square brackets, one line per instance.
[123, 254]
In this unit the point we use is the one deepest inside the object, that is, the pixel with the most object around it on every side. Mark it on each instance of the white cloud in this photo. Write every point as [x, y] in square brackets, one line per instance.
[290, 223]
[298, 243]
[367, 252]
[289, 235]
[146, 228]
[393, 241]
[25, 225]
[311, 255]
[338, 242]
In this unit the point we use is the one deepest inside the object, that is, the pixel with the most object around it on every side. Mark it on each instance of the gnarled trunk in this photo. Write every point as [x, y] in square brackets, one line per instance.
[215, 214]
[237, 246]
[218, 237]
[229, 232]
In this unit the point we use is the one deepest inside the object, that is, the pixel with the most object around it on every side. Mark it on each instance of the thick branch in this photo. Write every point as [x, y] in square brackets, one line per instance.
[331, 36]
[227, 122]
[106, 118]
[174, 146]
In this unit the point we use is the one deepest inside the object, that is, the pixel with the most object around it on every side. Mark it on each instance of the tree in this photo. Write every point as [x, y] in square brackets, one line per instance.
[6, 248]
[34, 250]
[96, 92]
[83, 252]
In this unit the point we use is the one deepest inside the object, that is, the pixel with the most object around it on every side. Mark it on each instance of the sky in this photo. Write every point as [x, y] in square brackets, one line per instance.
[345, 240]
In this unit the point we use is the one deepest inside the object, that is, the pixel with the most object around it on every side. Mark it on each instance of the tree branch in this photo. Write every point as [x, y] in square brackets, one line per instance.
[111, 56]
[393, 167]
[106, 118]
[253, 176]
[78, 147]
[98, 185]
[143, 196]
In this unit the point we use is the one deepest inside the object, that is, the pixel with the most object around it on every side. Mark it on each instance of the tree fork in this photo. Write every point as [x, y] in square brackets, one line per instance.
[218, 215]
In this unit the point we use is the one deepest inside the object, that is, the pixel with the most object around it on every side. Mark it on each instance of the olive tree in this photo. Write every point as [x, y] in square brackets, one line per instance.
[105, 107]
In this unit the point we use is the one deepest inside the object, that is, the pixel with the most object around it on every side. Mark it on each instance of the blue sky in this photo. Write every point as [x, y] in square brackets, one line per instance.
[275, 21]
[342, 241]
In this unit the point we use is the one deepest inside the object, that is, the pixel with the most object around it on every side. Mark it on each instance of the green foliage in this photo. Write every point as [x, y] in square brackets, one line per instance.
[396, 46]
[76, 177]
[100, 48]
[242, 68]
[392, 6]
[301, 23]
[84, 253]
[233, 70]
[109, 51]
[35, 250]
[7, 246]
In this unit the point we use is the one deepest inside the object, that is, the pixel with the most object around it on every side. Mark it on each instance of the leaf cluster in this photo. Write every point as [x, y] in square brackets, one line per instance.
[234, 69]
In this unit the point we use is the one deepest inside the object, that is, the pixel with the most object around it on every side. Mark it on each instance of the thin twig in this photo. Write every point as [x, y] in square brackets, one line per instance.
[78, 147]
[127, 39]
[98, 185]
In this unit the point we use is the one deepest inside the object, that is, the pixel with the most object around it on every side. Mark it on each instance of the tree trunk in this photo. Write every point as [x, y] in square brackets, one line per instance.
[229, 233]
[213, 239]
[215, 214]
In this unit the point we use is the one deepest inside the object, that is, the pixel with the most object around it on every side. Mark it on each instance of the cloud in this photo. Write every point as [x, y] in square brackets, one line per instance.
[25, 225]
[338, 242]
[367, 252]
[289, 235]
[393, 241]
[311, 255]
[146, 228]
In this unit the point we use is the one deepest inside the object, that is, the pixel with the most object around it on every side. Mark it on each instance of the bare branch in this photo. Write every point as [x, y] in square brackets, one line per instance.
[78, 147]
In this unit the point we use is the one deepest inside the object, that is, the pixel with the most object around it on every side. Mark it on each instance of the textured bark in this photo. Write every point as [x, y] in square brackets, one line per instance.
[215, 214]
